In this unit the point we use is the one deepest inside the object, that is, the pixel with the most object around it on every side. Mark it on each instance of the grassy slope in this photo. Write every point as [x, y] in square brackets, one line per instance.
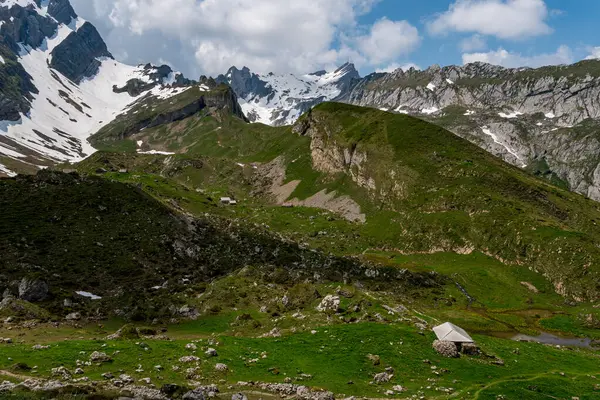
[457, 195]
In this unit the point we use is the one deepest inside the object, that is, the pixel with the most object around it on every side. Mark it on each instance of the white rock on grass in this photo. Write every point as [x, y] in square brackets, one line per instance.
[221, 367]
[189, 359]
[330, 303]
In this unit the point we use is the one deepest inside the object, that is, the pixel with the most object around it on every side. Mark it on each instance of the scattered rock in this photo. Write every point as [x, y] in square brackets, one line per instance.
[107, 375]
[62, 372]
[191, 346]
[221, 367]
[73, 316]
[98, 356]
[382, 377]
[79, 371]
[329, 303]
[196, 394]
[6, 340]
[211, 352]
[239, 396]
[40, 347]
[445, 348]
[274, 333]
[188, 359]
[126, 378]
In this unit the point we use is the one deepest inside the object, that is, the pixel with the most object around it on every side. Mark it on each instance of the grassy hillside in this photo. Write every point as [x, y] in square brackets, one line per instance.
[450, 234]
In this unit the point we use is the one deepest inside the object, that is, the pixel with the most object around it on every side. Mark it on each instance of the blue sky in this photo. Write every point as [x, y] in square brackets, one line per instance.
[300, 36]
[574, 23]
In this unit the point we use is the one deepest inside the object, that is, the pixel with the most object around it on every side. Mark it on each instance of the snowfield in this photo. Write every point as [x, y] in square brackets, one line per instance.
[63, 114]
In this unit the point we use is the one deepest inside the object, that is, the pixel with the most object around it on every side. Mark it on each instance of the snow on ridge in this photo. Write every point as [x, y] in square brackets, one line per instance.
[496, 140]
[6, 171]
[288, 92]
[429, 111]
[64, 115]
[511, 115]
[156, 152]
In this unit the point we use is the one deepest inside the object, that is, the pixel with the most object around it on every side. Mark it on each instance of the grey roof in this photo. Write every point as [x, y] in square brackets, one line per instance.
[452, 333]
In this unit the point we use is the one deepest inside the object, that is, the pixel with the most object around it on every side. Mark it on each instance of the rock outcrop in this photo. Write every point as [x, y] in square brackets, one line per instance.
[76, 56]
[61, 10]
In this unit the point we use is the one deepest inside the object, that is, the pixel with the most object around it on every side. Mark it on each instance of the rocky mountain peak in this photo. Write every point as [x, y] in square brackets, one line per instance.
[76, 57]
[62, 11]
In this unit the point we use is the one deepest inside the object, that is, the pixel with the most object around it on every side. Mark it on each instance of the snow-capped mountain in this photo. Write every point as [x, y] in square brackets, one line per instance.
[280, 99]
[59, 84]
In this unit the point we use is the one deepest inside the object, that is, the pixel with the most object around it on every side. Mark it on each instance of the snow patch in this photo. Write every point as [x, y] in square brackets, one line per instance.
[89, 295]
[550, 115]
[430, 111]
[431, 86]
[156, 152]
[512, 115]
[539, 124]
[450, 81]
[496, 140]
[469, 112]
[7, 171]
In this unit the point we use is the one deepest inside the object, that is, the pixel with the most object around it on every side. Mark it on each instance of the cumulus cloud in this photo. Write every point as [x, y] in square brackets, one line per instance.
[395, 66]
[388, 40]
[209, 36]
[563, 55]
[505, 19]
[594, 53]
[473, 43]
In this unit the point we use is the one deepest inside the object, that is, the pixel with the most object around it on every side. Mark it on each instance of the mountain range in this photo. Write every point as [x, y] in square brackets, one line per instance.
[61, 85]
[291, 236]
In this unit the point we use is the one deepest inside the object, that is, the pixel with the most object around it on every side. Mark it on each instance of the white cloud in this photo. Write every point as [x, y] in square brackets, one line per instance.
[395, 66]
[563, 55]
[594, 53]
[388, 40]
[505, 19]
[209, 36]
[473, 43]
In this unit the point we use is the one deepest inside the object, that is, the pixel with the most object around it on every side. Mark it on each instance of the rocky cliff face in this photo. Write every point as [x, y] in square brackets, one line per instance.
[543, 120]
[539, 119]
[76, 57]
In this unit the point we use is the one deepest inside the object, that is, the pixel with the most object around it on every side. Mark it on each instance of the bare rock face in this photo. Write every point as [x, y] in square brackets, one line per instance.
[61, 10]
[33, 290]
[446, 349]
[76, 57]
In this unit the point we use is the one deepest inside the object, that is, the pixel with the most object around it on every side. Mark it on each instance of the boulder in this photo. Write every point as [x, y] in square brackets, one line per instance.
[73, 316]
[330, 303]
[98, 356]
[189, 359]
[211, 353]
[239, 396]
[196, 394]
[446, 349]
[33, 290]
[382, 377]
[221, 367]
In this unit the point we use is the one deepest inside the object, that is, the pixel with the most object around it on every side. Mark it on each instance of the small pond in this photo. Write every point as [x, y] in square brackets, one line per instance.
[547, 338]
